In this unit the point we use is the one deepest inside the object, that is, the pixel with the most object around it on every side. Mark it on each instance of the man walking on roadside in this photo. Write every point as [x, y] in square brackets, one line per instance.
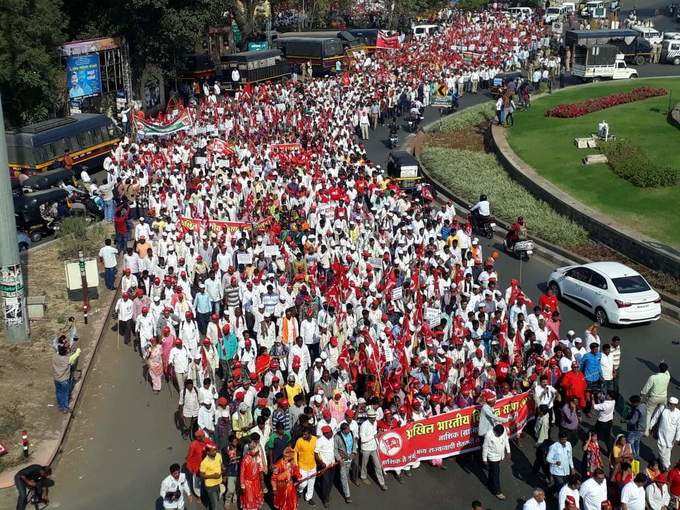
[668, 430]
[496, 445]
[655, 391]
[62, 361]
[108, 255]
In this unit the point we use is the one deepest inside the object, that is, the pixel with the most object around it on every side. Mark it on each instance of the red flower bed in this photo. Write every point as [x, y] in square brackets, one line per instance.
[572, 110]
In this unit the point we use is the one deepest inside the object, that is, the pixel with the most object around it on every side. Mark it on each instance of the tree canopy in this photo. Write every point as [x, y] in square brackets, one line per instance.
[31, 76]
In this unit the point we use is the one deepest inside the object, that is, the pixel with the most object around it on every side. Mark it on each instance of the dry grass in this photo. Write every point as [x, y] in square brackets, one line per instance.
[26, 369]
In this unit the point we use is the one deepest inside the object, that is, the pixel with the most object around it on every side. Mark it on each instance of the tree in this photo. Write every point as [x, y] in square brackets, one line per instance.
[31, 72]
[158, 32]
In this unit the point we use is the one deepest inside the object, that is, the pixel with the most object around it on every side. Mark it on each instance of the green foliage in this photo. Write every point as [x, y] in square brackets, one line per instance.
[158, 32]
[76, 234]
[30, 71]
[468, 174]
[472, 5]
[468, 117]
[630, 162]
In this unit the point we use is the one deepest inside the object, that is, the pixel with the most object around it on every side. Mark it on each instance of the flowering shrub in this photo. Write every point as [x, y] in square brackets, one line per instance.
[572, 110]
[629, 162]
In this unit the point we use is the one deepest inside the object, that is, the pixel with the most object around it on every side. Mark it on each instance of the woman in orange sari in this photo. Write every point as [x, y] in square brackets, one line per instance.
[284, 473]
[252, 492]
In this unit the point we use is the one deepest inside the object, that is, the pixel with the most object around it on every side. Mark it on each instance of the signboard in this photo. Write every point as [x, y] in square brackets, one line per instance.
[83, 78]
[432, 315]
[244, 259]
[271, 250]
[441, 97]
[11, 281]
[258, 46]
[397, 293]
[448, 434]
[91, 46]
[376, 262]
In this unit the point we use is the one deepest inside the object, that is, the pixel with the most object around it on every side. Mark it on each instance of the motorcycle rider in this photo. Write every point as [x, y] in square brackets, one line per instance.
[394, 130]
[481, 211]
[517, 232]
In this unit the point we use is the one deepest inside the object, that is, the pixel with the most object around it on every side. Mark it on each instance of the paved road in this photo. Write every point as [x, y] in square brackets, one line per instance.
[123, 437]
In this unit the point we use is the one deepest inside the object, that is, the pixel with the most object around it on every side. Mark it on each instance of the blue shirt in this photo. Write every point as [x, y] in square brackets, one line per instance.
[562, 454]
[349, 442]
[202, 303]
[590, 365]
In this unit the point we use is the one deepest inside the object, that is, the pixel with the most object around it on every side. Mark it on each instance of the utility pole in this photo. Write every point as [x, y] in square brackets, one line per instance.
[12, 292]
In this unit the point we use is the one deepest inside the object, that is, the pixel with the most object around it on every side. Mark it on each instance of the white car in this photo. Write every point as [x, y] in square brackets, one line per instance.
[610, 291]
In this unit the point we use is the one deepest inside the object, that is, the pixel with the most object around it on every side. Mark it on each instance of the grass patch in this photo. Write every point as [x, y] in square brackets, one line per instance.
[547, 144]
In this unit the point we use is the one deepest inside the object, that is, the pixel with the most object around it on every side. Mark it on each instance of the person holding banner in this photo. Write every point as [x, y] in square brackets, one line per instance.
[368, 432]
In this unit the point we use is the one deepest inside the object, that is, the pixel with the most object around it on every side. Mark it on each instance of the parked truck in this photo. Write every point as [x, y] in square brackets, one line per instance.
[602, 62]
[630, 44]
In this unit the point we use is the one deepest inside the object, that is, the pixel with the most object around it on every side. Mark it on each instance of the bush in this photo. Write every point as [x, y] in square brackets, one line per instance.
[630, 162]
[469, 174]
[469, 117]
[76, 233]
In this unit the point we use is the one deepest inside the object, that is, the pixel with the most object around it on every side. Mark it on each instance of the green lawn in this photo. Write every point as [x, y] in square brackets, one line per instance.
[547, 144]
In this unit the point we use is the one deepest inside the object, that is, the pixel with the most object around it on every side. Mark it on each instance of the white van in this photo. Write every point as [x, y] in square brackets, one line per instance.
[420, 31]
[594, 9]
[670, 51]
[554, 13]
[522, 12]
[649, 33]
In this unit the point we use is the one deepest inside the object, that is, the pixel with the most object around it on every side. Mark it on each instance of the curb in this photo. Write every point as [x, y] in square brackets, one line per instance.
[550, 252]
[46, 455]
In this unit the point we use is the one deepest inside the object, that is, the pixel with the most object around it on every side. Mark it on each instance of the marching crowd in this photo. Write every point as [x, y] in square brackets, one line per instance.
[301, 303]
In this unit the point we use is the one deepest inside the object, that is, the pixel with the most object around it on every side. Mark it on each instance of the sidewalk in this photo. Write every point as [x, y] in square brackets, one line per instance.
[47, 427]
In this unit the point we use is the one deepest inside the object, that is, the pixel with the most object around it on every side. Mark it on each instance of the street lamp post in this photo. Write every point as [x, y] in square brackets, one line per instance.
[12, 293]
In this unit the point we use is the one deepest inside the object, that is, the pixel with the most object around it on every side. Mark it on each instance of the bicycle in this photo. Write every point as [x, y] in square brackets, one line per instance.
[33, 499]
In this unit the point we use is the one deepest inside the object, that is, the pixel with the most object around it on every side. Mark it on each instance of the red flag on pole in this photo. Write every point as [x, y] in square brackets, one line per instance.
[386, 40]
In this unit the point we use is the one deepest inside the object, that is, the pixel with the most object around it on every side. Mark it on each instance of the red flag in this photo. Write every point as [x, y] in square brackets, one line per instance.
[385, 40]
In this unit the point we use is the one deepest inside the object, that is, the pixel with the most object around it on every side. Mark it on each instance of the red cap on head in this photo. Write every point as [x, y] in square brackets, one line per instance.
[206, 341]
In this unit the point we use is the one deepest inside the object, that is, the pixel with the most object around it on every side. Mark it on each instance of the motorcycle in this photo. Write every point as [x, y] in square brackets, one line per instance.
[521, 249]
[484, 228]
[394, 140]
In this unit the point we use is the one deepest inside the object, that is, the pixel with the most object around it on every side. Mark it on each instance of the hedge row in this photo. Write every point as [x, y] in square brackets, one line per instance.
[630, 162]
[469, 117]
[469, 174]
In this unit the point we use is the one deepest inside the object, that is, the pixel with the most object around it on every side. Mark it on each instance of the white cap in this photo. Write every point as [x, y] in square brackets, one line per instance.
[673, 400]
[571, 332]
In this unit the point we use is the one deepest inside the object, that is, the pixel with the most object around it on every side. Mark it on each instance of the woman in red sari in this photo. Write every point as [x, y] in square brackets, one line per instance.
[284, 474]
[252, 493]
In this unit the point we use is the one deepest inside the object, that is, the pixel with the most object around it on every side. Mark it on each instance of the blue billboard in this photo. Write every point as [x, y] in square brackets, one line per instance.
[82, 74]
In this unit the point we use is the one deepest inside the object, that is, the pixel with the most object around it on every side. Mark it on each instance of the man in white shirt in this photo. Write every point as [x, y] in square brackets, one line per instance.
[108, 255]
[633, 493]
[570, 489]
[607, 364]
[594, 491]
[124, 312]
[668, 419]
[173, 488]
[369, 448]
[658, 497]
[536, 502]
[325, 450]
[496, 445]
